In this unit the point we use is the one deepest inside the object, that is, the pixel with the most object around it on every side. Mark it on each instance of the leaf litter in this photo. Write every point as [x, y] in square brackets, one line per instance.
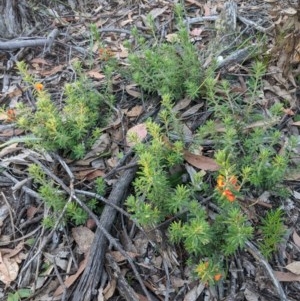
[280, 84]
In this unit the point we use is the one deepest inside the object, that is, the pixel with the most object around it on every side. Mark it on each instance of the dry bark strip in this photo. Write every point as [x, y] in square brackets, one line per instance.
[88, 284]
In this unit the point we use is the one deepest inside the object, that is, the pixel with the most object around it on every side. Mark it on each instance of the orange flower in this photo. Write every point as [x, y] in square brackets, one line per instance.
[229, 195]
[225, 187]
[39, 86]
[217, 277]
[11, 115]
[105, 54]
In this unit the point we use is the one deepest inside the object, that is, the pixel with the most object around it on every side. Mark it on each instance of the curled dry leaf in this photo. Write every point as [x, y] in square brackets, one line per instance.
[201, 162]
[130, 89]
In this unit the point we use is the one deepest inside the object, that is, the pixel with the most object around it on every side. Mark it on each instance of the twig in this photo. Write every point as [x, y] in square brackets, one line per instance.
[255, 25]
[60, 280]
[258, 256]
[201, 19]
[24, 188]
[5, 243]
[112, 29]
[104, 200]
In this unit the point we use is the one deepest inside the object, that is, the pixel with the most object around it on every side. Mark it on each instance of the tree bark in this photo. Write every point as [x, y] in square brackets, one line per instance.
[14, 18]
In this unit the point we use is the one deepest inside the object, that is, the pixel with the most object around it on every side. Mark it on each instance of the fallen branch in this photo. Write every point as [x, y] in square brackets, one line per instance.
[11, 45]
[90, 279]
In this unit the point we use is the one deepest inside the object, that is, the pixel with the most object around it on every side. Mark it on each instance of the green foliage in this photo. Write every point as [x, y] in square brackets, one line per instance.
[155, 197]
[64, 130]
[246, 149]
[100, 185]
[248, 133]
[273, 231]
[19, 294]
[167, 68]
[56, 200]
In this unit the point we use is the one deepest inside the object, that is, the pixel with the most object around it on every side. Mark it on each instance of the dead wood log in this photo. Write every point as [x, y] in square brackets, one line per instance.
[89, 281]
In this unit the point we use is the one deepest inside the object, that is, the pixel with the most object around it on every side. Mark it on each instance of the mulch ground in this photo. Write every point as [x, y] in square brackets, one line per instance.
[82, 263]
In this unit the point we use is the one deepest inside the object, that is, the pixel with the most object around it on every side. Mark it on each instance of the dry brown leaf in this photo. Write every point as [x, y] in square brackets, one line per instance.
[172, 37]
[110, 289]
[296, 238]
[286, 276]
[112, 162]
[139, 130]
[8, 269]
[196, 32]
[100, 146]
[71, 279]
[39, 61]
[201, 162]
[294, 267]
[84, 238]
[95, 74]
[31, 211]
[177, 282]
[288, 111]
[52, 71]
[194, 293]
[130, 90]
[9, 253]
[135, 111]
[207, 9]
[123, 53]
[260, 124]
[155, 12]
[181, 104]
[118, 257]
[59, 261]
[290, 11]
[195, 2]
[193, 110]
[89, 174]
[11, 132]
[9, 149]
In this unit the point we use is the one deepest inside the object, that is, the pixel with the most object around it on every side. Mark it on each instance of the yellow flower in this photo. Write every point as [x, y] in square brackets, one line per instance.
[39, 86]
